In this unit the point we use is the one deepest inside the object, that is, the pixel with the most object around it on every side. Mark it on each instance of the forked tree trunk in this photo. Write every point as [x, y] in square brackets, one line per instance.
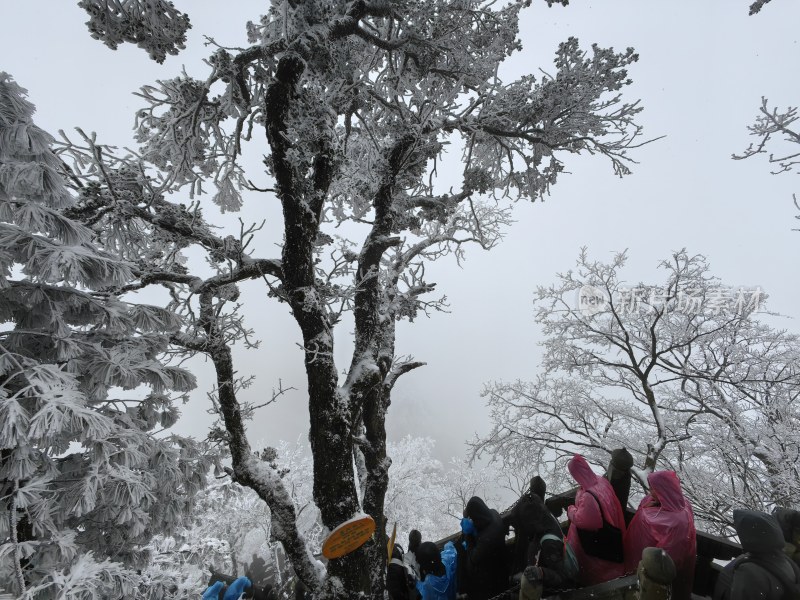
[331, 414]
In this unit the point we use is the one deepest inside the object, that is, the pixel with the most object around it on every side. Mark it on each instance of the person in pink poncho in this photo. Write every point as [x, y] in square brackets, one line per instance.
[664, 520]
[596, 525]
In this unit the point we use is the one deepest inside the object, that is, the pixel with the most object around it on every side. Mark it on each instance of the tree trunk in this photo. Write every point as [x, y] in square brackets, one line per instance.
[331, 414]
[247, 469]
[377, 481]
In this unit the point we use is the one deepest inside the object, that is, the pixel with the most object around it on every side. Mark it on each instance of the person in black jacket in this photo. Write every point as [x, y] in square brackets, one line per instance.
[763, 572]
[789, 520]
[399, 580]
[482, 568]
[537, 532]
[410, 558]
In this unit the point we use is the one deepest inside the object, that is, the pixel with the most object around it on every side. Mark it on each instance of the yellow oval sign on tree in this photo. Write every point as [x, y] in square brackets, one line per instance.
[348, 536]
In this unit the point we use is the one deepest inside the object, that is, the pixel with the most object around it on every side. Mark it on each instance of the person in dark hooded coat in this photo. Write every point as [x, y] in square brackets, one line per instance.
[482, 569]
[533, 521]
[764, 572]
[399, 579]
[410, 558]
[789, 520]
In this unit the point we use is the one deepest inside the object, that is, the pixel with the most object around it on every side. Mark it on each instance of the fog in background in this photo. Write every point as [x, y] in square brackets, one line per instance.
[702, 71]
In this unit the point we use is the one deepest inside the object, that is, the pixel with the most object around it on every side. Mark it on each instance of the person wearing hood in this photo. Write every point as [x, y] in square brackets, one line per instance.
[400, 581]
[537, 533]
[437, 571]
[763, 572]
[410, 558]
[483, 571]
[789, 520]
[664, 520]
[596, 525]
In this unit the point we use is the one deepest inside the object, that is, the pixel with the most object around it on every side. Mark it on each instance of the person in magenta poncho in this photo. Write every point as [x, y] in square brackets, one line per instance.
[664, 520]
[597, 525]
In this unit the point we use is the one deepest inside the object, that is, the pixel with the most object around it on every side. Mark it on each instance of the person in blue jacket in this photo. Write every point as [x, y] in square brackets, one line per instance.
[437, 571]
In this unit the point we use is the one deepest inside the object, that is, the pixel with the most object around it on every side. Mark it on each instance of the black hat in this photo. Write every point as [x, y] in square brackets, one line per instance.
[428, 557]
[414, 540]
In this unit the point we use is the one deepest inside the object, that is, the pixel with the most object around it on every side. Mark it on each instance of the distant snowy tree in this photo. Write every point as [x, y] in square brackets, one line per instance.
[230, 523]
[683, 374]
[357, 102]
[85, 478]
[778, 133]
[418, 493]
[464, 479]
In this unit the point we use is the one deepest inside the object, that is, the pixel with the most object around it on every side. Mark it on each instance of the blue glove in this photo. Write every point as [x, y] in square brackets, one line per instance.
[237, 588]
[468, 527]
[212, 593]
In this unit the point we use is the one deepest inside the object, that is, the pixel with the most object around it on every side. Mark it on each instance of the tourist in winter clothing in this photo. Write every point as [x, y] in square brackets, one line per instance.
[257, 571]
[410, 557]
[483, 571]
[789, 520]
[400, 582]
[764, 572]
[597, 525]
[664, 520]
[538, 487]
[437, 571]
[537, 532]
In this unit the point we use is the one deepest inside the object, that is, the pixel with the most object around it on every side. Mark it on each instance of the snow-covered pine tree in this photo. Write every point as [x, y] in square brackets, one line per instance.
[85, 480]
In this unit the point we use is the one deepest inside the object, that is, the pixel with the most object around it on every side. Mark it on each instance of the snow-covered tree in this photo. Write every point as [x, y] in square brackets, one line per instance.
[681, 373]
[85, 480]
[229, 523]
[356, 102]
[778, 135]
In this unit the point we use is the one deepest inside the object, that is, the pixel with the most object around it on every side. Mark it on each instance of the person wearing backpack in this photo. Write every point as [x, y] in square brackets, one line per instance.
[539, 542]
[664, 520]
[597, 526]
[400, 580]
[763, 572]
[410, 557]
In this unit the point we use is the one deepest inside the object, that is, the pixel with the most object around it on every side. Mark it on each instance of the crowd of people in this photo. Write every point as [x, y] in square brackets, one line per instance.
[599, 546]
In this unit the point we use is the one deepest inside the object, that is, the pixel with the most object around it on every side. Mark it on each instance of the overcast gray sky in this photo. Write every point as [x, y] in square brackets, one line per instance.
[704, 65]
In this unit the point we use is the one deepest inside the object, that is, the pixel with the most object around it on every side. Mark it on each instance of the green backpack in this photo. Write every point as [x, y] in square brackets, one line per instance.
[571, 566]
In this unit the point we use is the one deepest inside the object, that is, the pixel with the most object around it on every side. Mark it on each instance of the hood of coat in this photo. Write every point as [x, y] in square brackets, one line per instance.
[758, 532]
[480, 514]
[581, 471]
[428, 558]
[531, 515]
[667, 488]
